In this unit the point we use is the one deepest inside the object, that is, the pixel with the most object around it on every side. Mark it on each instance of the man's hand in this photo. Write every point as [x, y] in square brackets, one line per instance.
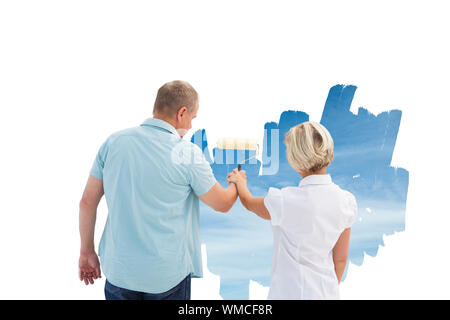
[89, 268]
[237, 177]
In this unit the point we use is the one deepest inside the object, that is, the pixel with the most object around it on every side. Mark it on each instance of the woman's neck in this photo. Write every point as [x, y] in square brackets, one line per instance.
[310, 173]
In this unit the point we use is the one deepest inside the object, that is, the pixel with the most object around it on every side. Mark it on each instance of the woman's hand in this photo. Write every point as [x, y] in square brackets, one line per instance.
[237, 177]
[255, 205]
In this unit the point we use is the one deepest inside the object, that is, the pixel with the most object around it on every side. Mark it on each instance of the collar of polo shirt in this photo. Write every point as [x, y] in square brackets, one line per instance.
[153, 122]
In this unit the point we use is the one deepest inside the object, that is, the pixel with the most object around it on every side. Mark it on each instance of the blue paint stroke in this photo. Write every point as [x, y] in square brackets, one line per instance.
[239, 244]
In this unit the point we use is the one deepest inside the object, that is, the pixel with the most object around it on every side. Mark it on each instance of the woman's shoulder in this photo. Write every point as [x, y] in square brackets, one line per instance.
[346, 197]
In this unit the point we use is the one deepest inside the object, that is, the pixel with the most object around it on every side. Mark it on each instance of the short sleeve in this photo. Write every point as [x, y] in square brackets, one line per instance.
[352, 210]
[201, 176]
[274, 203]
[99, 162]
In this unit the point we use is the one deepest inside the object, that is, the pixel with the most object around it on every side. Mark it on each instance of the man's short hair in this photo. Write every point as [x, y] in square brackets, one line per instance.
[174, 95]
[309, 147]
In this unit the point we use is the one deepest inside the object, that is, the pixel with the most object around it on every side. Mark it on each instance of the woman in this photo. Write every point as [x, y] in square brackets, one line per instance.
[310, 223]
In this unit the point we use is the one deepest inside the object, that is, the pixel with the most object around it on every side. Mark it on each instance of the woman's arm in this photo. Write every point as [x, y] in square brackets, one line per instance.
[251, 203]
[340, 253]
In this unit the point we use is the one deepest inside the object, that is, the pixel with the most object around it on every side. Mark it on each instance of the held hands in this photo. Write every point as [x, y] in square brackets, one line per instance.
[237, 177]
[89, 268]
[240, 180]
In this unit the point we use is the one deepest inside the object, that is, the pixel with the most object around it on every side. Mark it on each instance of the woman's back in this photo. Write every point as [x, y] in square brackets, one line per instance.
[307, 221]
[310, 223]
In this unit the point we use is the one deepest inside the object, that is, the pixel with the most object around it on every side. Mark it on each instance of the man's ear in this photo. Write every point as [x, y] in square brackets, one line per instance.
[181, 112]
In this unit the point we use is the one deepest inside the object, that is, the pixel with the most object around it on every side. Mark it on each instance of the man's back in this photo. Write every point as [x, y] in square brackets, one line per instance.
[153, 221]
[152, 181]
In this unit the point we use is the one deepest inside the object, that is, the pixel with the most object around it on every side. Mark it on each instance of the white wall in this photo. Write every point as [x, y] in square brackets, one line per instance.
[72, 72]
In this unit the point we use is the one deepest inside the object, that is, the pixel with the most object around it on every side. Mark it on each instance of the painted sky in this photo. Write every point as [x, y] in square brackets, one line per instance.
[239, 244]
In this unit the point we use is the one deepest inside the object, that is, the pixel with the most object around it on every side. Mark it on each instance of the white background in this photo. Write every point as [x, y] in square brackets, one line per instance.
[73, 72]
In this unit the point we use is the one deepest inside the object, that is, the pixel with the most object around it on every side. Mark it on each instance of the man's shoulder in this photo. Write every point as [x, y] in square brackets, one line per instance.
[190, 145]
[187, 152]
[128, 132]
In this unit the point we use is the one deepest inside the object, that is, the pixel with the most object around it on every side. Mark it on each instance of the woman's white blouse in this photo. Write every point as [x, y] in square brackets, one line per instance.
[306, 222]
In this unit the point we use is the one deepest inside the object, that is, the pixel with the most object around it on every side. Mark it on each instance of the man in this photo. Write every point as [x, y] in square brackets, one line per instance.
[152, 180]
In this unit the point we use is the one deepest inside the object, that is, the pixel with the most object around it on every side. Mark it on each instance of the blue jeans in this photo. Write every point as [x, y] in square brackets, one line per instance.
[181, 291]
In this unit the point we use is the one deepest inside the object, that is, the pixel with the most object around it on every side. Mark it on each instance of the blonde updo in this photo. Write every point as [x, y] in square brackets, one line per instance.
[309, 147]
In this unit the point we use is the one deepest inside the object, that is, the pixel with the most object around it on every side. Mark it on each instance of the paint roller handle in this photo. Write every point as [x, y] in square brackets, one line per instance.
[239, 167]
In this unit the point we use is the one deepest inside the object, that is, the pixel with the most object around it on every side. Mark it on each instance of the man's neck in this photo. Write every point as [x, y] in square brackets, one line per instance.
[181, 132]
[170, 121]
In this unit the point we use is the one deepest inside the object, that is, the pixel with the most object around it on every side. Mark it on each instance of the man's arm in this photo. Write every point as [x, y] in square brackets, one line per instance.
[220, 199]
[89, 266]
[340, 253]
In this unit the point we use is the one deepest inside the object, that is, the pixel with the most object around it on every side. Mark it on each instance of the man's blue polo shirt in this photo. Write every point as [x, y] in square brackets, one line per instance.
[152, 179]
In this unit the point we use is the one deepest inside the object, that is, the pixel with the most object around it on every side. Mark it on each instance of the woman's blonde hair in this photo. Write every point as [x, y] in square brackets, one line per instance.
[309, 147]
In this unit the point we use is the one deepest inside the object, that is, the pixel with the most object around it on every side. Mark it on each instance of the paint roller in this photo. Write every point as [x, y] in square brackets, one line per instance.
[239, 144]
